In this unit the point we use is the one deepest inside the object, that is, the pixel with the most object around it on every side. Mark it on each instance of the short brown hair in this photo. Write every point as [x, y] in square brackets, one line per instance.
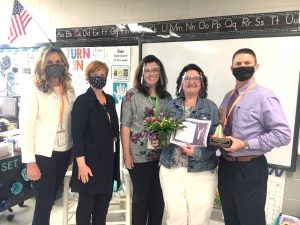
[245, 51]
[94, 66]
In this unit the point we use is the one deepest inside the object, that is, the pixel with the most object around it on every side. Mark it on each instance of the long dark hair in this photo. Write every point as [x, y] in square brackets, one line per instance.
[203, 90]
[162, 82]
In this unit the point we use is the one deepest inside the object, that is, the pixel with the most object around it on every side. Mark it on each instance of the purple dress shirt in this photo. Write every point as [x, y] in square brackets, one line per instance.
[258, 118]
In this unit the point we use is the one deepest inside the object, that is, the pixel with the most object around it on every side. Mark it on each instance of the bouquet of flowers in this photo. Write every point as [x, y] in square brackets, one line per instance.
[157, 125]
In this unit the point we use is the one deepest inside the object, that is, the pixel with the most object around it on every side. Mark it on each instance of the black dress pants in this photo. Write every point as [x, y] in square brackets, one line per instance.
[92, 208]
[53, 171]
[243, 189]
[147, 199]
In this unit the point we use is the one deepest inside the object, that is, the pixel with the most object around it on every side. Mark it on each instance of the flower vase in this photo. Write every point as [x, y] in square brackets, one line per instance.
[164, 139]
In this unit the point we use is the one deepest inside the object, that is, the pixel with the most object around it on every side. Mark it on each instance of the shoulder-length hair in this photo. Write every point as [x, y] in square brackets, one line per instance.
[162, 82]
[203, 91]
[40, 78]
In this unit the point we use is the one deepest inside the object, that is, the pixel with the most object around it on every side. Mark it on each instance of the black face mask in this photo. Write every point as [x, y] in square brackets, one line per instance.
[243, 73]
[55, 70]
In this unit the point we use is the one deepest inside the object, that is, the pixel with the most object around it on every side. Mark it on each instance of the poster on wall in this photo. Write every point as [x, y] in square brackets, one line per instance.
[16, 65]
[119, 91]
[120, 73]
[116, 58]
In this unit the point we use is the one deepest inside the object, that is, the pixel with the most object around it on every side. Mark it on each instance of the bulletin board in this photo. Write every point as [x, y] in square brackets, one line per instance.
[17, 66]
[117, 59]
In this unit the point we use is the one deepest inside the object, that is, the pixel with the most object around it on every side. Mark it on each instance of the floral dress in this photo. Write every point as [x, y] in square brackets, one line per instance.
[180, 160]
[132, 115]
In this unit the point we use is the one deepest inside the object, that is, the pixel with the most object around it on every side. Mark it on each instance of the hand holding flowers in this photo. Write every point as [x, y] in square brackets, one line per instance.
[157, 125]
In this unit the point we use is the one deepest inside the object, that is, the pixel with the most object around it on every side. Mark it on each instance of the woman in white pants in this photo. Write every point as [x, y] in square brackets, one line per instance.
[188, 174]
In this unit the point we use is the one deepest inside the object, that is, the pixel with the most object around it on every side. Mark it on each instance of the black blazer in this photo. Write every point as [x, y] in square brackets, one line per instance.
[93, 137]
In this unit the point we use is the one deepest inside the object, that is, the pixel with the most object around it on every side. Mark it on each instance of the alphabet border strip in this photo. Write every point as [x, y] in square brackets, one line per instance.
[221, 27]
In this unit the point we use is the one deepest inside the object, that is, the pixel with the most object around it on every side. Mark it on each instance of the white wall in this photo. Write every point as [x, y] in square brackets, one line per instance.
[52, 14]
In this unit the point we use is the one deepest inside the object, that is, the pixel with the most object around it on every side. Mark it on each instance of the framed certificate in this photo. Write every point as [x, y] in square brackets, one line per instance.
[194, 133]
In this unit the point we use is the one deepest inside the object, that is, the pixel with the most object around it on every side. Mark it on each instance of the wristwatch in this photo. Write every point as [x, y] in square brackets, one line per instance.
[246, 145]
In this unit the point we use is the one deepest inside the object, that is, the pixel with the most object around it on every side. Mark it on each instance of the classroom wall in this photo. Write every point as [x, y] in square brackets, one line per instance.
[52, 14]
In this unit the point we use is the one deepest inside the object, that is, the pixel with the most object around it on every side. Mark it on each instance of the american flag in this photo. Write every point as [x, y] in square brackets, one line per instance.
[19, 21]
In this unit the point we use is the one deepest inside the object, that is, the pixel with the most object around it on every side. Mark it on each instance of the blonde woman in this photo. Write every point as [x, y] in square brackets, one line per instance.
[45, 125]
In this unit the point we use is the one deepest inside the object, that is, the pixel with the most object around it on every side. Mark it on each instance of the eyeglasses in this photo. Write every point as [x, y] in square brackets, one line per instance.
[155, 70]
[195, 79]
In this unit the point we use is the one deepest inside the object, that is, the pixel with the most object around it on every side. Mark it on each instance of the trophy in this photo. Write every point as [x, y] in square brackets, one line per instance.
[218, 138]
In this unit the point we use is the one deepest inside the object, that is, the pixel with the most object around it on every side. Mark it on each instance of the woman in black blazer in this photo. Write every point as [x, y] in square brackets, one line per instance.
[95, 132]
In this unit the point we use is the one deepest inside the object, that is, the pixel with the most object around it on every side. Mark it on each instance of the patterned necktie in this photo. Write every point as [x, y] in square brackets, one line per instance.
[228, 127]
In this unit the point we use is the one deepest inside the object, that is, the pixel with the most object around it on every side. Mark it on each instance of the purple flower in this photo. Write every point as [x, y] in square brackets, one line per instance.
[156, 123]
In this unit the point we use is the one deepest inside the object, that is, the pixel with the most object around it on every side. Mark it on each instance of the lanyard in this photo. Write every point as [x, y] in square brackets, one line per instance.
[62, 105]
[236, 101]
[156, 103]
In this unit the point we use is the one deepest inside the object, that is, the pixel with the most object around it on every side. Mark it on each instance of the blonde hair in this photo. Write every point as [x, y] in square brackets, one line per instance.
[40, 78]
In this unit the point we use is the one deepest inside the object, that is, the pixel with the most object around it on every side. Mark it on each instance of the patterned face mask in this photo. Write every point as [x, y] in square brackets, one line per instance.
[98, 82]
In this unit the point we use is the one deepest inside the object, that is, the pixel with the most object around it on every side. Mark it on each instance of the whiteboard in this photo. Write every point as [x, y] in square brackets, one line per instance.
[279, 60]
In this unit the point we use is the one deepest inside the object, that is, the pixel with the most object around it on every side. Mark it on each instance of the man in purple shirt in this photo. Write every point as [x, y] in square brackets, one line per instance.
[255, 122]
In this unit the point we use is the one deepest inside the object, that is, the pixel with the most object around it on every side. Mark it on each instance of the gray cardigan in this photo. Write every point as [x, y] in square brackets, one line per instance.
[132, 116]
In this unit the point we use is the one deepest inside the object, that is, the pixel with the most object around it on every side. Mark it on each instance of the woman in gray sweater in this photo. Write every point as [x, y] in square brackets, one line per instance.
[141, 161]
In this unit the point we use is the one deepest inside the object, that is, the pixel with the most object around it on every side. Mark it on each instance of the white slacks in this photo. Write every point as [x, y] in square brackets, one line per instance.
[189, 196]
